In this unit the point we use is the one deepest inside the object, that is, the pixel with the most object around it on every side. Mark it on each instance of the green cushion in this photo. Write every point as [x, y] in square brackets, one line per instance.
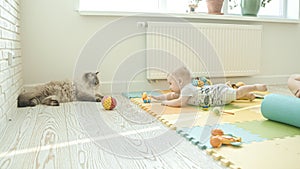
[281, 108]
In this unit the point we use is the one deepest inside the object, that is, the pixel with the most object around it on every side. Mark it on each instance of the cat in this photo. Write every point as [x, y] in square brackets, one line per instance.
[56, 92]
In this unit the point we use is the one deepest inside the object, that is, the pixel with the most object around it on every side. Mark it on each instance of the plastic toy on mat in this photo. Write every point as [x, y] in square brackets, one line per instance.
[201, 81]
[218, 111]
[218, 138]
[205, 105]
[146, 98]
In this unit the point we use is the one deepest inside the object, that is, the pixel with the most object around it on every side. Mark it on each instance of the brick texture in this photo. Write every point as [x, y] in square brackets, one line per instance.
[10, 69]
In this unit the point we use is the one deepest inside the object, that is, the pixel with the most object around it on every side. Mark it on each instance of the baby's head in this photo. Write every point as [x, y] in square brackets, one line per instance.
[178, 79]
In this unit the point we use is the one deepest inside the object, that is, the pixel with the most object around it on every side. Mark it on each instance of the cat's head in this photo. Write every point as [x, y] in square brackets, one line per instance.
[91, 79]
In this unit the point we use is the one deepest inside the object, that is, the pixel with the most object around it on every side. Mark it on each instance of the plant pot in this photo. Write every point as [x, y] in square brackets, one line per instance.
[250, 7]
[214, 6]
[193, 7]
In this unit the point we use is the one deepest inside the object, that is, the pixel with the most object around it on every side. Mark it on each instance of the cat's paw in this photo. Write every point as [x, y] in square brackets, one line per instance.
[54, 103]
[98, 97]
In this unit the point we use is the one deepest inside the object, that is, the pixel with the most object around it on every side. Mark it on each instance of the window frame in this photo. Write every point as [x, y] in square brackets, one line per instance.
[226, 16]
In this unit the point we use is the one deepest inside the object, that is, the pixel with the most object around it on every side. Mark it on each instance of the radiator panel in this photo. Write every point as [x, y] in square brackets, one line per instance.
[211, 50]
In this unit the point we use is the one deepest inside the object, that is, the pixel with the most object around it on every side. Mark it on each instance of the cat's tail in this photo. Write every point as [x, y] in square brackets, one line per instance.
[25, 99]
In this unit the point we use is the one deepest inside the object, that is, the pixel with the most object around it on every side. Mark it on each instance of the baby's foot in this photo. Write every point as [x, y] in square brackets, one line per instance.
[297, 94]
[261, 87]
[251, 96]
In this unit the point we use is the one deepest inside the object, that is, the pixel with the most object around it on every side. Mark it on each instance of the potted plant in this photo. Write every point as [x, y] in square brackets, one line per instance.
[249, 7]
[264, 2]
[213, 6]
[193, 4]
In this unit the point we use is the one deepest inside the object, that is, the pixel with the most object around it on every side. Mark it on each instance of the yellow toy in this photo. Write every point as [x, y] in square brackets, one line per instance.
[146, 98]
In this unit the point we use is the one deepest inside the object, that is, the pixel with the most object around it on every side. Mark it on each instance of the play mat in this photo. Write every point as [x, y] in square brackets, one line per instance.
[265, 143]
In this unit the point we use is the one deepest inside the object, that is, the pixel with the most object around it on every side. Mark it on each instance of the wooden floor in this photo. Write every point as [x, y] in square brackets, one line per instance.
[82, 135]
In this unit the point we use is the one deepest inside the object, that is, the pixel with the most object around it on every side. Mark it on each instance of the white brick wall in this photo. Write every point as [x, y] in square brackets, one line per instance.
[10, 74]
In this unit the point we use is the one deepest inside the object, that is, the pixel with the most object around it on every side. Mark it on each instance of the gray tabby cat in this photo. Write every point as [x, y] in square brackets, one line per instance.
[56, 92]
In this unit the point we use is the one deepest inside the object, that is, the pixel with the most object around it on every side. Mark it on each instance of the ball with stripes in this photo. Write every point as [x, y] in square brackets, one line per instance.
[108, 102]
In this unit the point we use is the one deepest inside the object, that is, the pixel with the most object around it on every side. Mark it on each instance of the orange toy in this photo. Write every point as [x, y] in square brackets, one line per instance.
[218, 138]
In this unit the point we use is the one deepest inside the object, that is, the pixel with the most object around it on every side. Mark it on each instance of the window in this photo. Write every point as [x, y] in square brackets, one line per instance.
[120, 5]
[276, 9]
[284, 9]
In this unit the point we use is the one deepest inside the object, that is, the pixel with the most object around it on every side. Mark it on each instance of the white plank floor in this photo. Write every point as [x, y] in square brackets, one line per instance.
[82, 135]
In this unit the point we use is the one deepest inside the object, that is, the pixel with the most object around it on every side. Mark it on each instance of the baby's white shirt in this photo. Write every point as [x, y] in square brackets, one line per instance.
[219, 94]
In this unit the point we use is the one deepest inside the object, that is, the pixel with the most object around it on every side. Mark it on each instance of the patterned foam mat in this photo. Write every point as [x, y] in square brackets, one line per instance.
[265, 144]
[270, 154]
[138, 94]
[189, 116]
[269, 129]
[200, 135]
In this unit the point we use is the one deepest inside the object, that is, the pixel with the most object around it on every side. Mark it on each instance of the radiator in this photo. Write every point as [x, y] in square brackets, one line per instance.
[212, 50]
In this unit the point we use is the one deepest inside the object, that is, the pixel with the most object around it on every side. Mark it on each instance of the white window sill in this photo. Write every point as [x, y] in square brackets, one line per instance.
[194, 16]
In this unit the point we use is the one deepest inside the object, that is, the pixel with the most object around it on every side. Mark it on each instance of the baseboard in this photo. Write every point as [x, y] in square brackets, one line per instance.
[120, 87]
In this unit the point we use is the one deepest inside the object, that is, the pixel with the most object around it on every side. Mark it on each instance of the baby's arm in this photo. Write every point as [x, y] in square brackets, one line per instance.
[168, 96]
[181, 101]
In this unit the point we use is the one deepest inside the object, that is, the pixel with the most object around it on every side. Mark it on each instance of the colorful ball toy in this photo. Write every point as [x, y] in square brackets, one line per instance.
[108, 102]
[201, 81]
[146, 98]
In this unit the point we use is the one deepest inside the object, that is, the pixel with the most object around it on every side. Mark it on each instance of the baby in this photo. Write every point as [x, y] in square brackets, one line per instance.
[183, 92]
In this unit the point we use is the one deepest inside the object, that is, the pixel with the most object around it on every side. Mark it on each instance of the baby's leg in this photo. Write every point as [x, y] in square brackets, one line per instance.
[243, 92]
[249, 96]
